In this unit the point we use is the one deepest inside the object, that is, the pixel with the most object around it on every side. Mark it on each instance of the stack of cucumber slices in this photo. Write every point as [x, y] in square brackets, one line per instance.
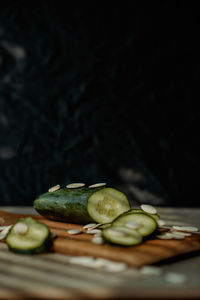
[130, 227]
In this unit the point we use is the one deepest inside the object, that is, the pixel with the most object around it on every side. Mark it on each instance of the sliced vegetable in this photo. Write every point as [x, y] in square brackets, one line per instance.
[139, 210]
[28, 236]
[122, 236]
[148, 224]
[106, 204]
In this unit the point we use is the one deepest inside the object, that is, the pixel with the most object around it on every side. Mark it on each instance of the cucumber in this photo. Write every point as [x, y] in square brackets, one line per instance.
[82, 205]
[139, 210]
[122, 236]
[148, 224]
[27, 236]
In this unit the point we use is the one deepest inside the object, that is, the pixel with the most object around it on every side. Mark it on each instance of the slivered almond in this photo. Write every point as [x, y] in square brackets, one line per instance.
[75, 185]
[54, 188]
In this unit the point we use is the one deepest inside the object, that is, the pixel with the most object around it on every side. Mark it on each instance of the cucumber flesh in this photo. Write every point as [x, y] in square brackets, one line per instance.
[106, 204]
[148, 224]
[36, 239]
[122, 236]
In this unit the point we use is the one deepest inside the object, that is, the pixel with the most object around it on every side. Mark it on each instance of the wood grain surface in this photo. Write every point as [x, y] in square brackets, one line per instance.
[149, 252]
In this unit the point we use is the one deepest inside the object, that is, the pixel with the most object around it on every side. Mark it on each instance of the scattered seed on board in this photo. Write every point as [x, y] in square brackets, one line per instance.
[181, 233]
[91, 226]
[149, 209]
[150, 270]
[87, 261]
[20, 228]
[133, 225]
[96, 185]
[186, 228]
[175, 278]
[116, 267]
[93, 231]
[74, 231]
[97, 240]
[177, 236]
[4, 232]
[160, 222]
[164, 237]
[54, 188]
[75, 185]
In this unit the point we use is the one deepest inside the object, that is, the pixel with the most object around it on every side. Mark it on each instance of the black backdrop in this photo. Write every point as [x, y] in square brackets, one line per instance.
[93, 94]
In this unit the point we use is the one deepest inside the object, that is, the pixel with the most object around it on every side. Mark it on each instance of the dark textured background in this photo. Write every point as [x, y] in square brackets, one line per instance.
[90, 94]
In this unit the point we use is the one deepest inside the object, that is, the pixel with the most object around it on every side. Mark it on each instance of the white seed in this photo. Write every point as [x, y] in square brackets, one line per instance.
[74, 231]
[20, 228]
[2, 227]
[4, 232]
[177, 236]
[93, 231]
[175, 278]
[149, 209]
[91, 225]
[87, 261]
[160, 222]
[116, 267]
[97, 240]
[163, 237]
[186, 228]
[133, 225]
[150, 270]
[96, 185]
[75, 185]
[97, 234]
[54, 188]
[181, 233]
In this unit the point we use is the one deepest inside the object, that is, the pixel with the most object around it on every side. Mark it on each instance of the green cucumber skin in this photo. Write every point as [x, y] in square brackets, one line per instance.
[66, 205]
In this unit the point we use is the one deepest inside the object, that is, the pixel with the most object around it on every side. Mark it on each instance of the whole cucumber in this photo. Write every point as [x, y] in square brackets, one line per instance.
[67, 205]
[82, 205]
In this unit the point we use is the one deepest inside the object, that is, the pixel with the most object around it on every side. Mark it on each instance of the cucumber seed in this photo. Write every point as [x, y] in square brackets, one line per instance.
[185, 228]
[74, 231]
[96, 185]
[54, 188]
[149, 209]
[20, 228]
[75, 185]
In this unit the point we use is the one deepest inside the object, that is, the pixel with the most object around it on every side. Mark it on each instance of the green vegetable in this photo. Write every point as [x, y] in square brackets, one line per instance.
[82, 205]
[147, 224]
[122, 236]
[27, 236]
[139, 210]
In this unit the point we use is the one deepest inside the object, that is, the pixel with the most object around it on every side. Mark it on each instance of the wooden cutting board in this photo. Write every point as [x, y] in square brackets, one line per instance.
[149, 252]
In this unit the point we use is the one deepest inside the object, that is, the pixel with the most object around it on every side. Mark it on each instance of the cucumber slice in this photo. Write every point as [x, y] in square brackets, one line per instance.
[35, 239]
[139, 210]
[122, 236]
[148, 224]
[106, 204]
